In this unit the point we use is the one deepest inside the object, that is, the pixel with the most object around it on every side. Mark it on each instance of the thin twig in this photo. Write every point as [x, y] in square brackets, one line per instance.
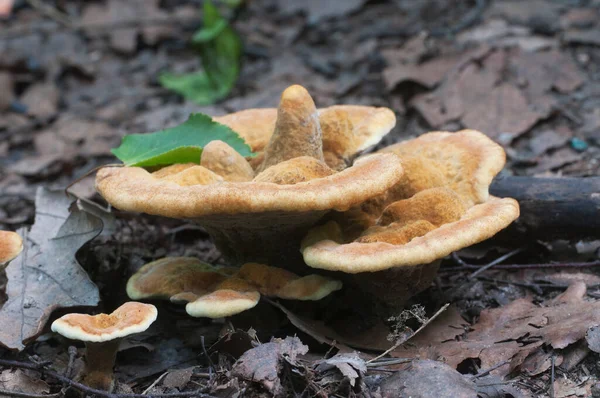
[155, 382]
[496, 262]
[389, 362]
[485, 372]
[400, 341]
[552, 379]
[93, 391]
[51, 12]
[18, 394]
[467, 267]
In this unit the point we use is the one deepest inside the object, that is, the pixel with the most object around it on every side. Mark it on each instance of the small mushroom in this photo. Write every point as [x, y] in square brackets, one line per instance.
[102, 334]
[394, 242]
[263, 220]
[216, 292]
[11, 246]
[225, 161]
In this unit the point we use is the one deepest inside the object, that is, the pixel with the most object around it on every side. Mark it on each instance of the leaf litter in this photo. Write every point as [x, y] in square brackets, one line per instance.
[46, 276]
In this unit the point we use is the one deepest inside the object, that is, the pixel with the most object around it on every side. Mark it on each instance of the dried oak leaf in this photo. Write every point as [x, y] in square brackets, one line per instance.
[349, 365]
[474, 95]
[511, 333]
[428, 378]
[46, 275]
[23, 381]
[262, 364]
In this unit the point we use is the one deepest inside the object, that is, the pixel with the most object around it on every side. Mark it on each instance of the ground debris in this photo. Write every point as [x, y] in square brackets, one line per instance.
[46, 275]
[425, 379]
[263, 364]
[511, 333]
[348, 365]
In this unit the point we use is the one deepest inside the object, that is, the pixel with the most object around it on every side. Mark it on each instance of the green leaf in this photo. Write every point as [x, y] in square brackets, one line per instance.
[180, 144]
[220, 49]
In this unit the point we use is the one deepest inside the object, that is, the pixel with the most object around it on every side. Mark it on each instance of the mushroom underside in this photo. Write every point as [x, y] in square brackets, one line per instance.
[270, 237]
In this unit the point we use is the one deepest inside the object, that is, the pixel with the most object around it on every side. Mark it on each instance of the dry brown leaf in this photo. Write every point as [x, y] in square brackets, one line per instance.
[511, 333]
[27, 382]
[567, 388]
[425, 379]
[544, 70]
[262, 364]
[178, 378]
[428, 74]
[46, 275]
[41, 100]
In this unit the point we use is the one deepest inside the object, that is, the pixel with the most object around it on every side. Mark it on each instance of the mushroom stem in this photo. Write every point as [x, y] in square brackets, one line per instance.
[100, 360]
[271, 238]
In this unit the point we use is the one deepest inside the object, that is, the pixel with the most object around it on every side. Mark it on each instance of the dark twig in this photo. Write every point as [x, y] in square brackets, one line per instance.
[93, 391]
[552, 379]
[467, 267]
[18, 394]
[496, 262]
[485, 372]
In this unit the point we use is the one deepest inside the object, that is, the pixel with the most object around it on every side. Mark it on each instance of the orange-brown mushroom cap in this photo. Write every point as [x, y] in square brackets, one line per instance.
[369, 125]
[264, 219]
[135, 189]
[130, 318]
[11, 246]
[441, 205]
[216, 292]
[466, 162]
[480, 222]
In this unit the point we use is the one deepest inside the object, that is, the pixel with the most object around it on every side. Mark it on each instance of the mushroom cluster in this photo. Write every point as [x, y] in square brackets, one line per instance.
[306, 200]
[442, 204]
[258, 211]
[221, 291]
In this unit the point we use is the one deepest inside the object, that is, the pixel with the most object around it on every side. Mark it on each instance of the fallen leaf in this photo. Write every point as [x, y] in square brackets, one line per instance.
[567, 388]
[20, 381]
[41, 100]
[46, 275]
[504, 109]
[426, 379]
[318, 10]
[512, 332]
[544, 70]
[178, 378]
[593, 338]
[492, 386]
[556, 160]
[428, 74]
[549, 139]
[262, 364]
[348, 364]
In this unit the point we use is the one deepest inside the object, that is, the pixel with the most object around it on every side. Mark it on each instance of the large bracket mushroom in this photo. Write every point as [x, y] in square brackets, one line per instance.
[394, 242]
[260, 213]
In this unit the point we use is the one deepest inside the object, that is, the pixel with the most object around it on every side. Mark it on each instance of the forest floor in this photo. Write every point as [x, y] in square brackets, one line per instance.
[77, 76]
